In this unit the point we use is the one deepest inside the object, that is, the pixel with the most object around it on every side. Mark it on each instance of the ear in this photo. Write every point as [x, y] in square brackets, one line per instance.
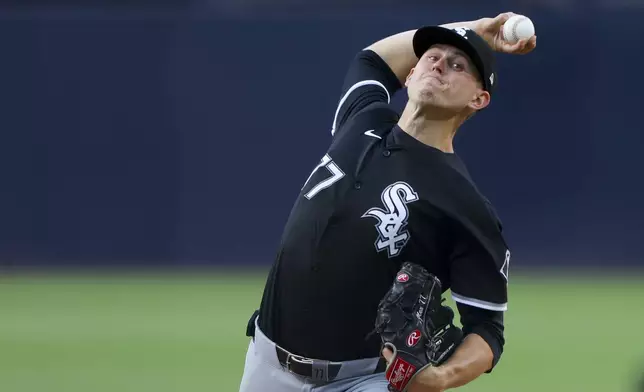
[480, 100]
[409, 77]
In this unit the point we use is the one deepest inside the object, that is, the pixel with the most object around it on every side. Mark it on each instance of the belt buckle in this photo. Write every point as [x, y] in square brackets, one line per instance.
[319, 369]
[296, 358]
[289, 356]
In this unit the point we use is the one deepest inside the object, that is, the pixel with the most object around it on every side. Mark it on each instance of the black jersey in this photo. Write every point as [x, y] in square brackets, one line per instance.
[377, 198]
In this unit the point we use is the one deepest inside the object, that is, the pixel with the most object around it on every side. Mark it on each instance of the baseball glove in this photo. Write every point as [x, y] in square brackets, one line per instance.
[415, 326]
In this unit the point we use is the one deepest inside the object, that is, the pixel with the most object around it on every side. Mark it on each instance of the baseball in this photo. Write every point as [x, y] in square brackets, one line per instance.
[518, 27]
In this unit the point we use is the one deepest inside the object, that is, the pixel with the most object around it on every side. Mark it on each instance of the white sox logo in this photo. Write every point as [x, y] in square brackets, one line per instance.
[391, 222]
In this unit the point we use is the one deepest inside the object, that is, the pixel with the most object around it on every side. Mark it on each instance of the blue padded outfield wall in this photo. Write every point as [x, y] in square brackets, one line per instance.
[180, 133]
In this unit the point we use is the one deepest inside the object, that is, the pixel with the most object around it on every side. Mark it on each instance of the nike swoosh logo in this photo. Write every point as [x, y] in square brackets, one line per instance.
[370, 133]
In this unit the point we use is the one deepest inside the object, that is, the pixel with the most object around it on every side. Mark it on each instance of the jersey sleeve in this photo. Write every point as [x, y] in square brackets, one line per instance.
[488, 324]
[479, 269]
[369, 80]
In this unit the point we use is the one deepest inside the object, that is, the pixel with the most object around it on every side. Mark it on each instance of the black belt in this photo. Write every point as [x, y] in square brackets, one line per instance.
[315, 369]
[310, 368]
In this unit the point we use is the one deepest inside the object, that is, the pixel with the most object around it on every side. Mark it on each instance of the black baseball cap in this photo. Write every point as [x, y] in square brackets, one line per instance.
[465, 39]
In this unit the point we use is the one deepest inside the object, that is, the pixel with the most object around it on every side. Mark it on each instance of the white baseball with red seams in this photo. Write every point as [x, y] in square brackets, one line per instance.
[518, 27]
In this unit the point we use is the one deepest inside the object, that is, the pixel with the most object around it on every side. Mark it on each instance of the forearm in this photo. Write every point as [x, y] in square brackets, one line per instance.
[470, 360]
[398, 52]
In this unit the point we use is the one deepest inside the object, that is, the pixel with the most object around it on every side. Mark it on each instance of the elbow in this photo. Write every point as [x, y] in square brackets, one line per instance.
[493, 337]
[488, 325]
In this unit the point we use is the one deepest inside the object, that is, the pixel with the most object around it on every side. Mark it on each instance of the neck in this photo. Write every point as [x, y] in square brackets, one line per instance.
[430, 128]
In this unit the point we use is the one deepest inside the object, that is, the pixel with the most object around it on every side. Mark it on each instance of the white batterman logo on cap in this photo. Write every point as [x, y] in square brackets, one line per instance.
[462, 31]
[391, 221]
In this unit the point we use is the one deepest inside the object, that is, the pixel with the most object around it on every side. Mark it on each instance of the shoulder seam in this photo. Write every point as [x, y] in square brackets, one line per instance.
[351, 90]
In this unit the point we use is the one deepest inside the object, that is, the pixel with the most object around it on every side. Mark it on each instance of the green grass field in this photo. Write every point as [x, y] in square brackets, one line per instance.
[186, 333]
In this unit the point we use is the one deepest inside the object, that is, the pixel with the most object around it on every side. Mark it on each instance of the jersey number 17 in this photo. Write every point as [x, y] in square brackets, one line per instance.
[336, 175]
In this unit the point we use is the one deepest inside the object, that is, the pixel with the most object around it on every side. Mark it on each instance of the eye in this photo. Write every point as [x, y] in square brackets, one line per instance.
[433, 58]
[458, 66]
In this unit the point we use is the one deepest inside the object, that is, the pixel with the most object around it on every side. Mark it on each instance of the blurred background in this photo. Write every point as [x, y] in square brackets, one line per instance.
[151, 151]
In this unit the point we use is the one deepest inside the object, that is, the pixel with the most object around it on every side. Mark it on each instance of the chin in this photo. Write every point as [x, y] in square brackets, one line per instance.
[427, 97]
[431, 101]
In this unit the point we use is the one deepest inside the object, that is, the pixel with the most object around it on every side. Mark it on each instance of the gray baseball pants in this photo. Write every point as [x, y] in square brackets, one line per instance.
[264, 373]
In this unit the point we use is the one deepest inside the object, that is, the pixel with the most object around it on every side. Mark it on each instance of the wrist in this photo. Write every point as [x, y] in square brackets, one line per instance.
[479, 25]
[435, 378]
[445, 375]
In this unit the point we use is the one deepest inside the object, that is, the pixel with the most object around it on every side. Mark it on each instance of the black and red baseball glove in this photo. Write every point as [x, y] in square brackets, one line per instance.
[415, 326]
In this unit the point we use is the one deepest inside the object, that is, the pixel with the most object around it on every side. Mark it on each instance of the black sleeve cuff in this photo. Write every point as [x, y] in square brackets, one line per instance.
[493, 341]
[488, 324]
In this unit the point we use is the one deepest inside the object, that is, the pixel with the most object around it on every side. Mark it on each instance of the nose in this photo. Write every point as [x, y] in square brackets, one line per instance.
[439, 65]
